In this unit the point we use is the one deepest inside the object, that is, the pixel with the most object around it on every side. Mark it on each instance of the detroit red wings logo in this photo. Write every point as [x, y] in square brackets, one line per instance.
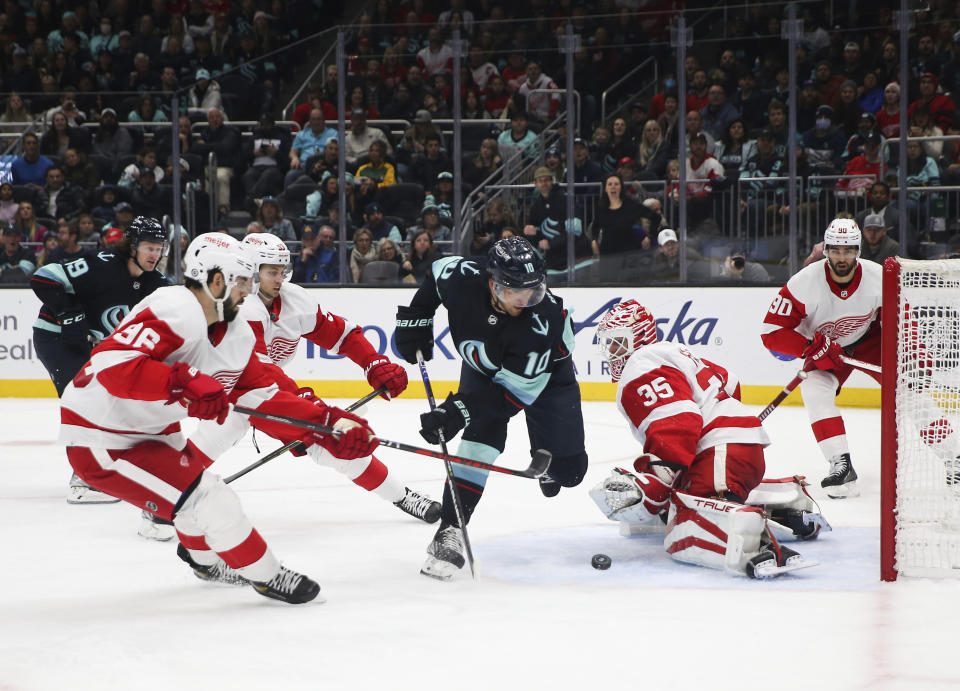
[282, 348]
[228, 379]
[845, 326]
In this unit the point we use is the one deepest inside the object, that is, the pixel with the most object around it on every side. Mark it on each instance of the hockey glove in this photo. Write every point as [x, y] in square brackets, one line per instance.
[356, 439]
[207, 399]
[73, 328]
[414, 331]
[381, 372]
[825, 353]
[307, 394]
[449, 417]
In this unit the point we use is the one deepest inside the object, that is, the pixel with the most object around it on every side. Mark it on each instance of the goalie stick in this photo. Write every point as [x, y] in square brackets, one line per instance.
[451, 480]
[538, 466]
[287, 447]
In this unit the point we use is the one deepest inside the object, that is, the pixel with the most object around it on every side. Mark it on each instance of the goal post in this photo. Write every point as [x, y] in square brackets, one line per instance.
[920, 419]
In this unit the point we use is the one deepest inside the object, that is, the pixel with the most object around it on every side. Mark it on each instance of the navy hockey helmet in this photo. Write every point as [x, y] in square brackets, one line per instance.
[145, 228]
[515, 265]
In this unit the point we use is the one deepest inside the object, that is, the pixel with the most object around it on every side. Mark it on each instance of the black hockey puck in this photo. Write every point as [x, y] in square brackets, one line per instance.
[601, 561]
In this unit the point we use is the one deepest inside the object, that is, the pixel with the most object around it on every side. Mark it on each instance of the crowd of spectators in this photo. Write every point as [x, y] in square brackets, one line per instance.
[124, 63]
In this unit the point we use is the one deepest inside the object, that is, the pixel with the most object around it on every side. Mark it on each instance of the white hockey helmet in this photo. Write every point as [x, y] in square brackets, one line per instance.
[624, 329]
[218, 251]
[842, 232]
[267, 248]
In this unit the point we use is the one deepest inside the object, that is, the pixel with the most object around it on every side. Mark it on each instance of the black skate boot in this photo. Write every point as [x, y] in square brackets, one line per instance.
[218, 572]
[842, 480]
[548, 486]
[794, 520]
[774, 559]
[444, 554]
[289, 586]
[419, 506]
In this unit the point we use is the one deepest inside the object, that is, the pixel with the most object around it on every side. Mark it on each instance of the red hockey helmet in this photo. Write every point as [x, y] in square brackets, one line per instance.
[624, 329]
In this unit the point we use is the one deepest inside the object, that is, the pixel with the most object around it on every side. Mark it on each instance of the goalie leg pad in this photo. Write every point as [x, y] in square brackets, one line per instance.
[793, 512]
[712, 532]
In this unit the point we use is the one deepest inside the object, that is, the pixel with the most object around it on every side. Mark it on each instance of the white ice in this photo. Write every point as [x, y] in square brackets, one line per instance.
[86, 604]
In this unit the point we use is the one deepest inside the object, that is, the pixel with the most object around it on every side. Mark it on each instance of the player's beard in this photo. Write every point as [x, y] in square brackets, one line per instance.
[231, 309]
[846, 271]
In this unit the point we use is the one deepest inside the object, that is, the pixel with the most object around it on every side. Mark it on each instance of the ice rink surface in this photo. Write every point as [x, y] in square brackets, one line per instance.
[87, 604]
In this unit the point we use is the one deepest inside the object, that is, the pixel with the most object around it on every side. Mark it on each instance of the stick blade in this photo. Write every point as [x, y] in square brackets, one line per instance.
[540, 462]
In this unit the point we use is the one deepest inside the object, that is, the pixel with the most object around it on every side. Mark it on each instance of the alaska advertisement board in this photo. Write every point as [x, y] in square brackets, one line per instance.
[721, 324]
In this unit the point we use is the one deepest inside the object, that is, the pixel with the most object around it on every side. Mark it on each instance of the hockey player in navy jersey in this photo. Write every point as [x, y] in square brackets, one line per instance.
[83, 301]
[516, 341]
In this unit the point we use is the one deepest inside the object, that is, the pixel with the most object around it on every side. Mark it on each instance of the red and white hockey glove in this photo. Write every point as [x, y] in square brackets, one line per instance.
[356, 439]
[207, 399]
[825, 353]
[656, 482]
[381, 372]
[307, 394]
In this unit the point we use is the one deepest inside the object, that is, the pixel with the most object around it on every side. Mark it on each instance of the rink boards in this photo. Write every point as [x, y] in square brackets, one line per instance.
[720, 324]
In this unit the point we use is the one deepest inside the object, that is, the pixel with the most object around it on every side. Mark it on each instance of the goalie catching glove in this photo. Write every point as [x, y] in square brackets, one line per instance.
[356, 439]
[825, 353]
[625, 496]
[380, 372]
[205, 395]
[414, 331]
[449, 417]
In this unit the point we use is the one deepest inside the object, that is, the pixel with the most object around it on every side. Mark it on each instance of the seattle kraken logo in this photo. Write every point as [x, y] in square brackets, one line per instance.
[109, 319]
[475, 354]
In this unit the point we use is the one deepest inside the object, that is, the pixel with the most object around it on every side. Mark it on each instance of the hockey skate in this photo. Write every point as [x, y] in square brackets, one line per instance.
[154, 528]
[548, 486]
[218, 572]
[289, 586]
[444, 554]
[80, 492]
[774, 560]
[842, 480]
[419, 506]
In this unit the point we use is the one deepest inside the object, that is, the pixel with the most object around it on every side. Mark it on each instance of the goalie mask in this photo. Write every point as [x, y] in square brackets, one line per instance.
[623, 330]
[212, 252]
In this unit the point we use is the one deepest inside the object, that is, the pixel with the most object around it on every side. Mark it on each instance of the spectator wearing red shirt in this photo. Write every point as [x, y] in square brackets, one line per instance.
[867, 163]
[888, 117]
[941, 107]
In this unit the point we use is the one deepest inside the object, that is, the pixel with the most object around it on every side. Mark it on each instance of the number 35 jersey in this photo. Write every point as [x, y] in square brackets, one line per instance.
[517, 353]
[679, 405]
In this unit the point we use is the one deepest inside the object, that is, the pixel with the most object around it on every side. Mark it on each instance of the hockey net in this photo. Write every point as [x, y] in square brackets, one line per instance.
[920, 495]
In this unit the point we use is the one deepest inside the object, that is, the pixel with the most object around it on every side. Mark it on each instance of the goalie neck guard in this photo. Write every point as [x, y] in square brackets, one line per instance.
[624, 329]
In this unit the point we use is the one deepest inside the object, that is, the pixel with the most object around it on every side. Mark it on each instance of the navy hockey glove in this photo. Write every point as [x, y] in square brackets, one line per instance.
[414, 332]
[73, 328]
[449, 417]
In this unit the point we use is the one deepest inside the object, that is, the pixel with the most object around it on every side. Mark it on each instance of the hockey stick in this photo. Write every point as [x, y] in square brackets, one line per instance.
[782, 396]
[860, 364]
[451, 480]
[541, 458]
[286, 447]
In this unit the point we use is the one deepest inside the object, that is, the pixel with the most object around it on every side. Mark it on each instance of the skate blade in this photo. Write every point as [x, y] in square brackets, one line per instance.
[844, 491]
[769, 569]
[438, 569]
[85, 495]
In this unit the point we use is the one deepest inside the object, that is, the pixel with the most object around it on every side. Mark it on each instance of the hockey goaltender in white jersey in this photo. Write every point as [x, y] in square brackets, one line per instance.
[702, 466]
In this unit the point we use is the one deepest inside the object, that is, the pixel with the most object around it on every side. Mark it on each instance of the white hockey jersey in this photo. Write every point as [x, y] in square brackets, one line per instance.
[295, 315]
[119, 398]
[679, 404]
[812, 302]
